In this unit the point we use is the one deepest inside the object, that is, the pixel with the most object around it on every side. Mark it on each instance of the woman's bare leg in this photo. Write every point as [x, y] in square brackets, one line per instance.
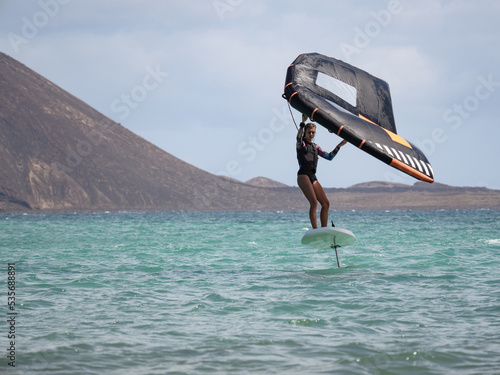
[323, 200]
[309, 191]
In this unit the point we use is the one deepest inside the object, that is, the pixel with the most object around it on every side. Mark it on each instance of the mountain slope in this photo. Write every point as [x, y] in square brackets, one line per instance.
[58, 153]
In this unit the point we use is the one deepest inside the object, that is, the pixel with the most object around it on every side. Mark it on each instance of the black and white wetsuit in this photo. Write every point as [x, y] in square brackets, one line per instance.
[307, 155]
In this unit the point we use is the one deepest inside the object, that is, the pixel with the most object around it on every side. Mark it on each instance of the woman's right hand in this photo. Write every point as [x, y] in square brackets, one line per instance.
[304, 118]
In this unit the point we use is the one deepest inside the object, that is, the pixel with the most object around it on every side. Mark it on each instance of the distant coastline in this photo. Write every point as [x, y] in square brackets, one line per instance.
[375, 195]
[380, 195]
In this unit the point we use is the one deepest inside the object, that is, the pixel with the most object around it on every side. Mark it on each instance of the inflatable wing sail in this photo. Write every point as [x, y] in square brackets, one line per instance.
[356, 106]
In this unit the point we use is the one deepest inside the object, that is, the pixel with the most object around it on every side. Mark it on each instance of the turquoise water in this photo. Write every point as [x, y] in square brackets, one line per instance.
[236, 293]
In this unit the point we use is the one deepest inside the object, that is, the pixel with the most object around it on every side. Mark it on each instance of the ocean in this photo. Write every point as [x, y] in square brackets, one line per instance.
[237, 293]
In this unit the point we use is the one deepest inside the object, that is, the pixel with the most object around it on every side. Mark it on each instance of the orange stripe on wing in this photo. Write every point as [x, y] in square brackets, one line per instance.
[394, 136]
[398, 138]
[312, 114]
[412, 172]
[342, 127]
[291, 96]
[364, 118]
[362, 143]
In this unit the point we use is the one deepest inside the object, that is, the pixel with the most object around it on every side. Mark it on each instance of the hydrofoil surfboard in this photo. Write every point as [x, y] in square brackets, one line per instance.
[328, 237]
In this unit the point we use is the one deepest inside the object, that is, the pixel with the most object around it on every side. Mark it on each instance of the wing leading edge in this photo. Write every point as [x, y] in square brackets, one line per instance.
[354, 105]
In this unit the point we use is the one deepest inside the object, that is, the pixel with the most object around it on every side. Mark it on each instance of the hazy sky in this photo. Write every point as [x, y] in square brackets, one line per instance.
[203, 79]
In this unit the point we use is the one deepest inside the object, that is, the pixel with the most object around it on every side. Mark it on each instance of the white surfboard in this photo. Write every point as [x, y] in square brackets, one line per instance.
[328, 237]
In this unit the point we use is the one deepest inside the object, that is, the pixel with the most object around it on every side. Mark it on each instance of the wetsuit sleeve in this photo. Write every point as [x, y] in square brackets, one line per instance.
[327, 155]
[300, 136]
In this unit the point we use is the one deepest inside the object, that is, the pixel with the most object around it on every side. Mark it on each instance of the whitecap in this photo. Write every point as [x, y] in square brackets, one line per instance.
[493, 242]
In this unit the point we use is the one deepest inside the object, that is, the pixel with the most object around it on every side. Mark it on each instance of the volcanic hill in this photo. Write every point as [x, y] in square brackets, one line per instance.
[58, 153]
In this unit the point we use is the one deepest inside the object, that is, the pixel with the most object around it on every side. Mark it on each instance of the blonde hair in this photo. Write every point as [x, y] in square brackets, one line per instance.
[308, 126]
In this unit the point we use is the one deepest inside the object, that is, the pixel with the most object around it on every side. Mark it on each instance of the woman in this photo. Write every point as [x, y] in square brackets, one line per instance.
[307, 155]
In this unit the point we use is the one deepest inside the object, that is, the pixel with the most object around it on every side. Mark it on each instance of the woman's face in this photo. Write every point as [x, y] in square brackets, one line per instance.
[310, 133]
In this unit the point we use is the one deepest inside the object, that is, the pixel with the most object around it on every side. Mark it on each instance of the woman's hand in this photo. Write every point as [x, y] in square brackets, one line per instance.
[304, 118]
[342, 143]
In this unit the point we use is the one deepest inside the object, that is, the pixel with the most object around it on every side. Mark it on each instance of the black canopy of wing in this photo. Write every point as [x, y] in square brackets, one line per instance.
[363, 116]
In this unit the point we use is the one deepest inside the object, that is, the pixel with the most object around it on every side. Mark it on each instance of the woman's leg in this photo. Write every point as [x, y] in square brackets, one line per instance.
[308, 190]
[323, 200]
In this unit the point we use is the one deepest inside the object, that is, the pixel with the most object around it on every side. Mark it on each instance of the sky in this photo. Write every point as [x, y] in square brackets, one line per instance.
[203, 79]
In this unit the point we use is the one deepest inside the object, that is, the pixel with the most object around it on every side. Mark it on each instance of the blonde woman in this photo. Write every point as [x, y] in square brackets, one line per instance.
[307, 156]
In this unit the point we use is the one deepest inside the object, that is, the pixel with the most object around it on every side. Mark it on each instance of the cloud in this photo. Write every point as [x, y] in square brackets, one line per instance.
[226, 70]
